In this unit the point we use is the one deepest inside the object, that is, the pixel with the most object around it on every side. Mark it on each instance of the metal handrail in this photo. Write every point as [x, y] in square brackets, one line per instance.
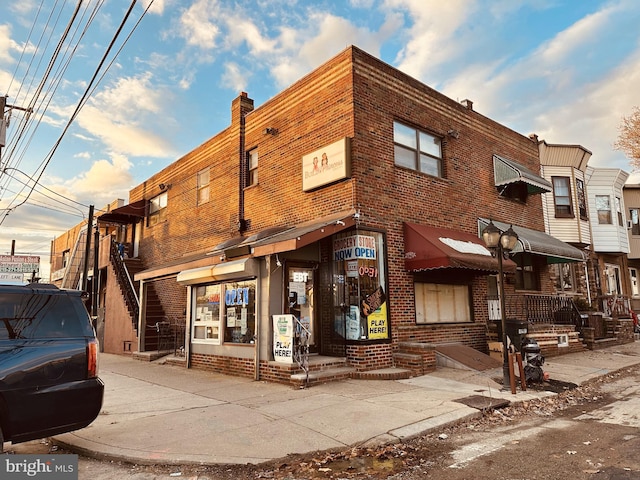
[124, 279]
[301, 339]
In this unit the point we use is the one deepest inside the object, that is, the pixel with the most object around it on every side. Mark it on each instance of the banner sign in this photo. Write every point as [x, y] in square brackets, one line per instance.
[354, 247]
[19, 264]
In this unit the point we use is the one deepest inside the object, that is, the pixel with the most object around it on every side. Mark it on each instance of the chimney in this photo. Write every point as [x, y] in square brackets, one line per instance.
[467, 103]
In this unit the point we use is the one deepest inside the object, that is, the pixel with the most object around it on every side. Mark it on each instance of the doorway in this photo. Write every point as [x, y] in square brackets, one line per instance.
[300, 296]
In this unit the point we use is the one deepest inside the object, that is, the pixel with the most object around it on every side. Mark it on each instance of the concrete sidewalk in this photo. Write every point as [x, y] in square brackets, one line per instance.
[155, 413]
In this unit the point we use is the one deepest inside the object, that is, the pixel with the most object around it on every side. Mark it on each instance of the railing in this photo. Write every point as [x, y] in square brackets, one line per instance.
[532, 308]
[125, 282]
[614, 305]
[301, 338]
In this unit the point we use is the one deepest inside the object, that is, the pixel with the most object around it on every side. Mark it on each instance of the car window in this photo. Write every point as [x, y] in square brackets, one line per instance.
[28, 316]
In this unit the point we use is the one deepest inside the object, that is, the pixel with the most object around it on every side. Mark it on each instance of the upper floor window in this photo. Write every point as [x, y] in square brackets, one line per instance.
[562, 196]
[65, 258]
[157, 209]
[582, 199]
[603, 206]
[619, 211]
[203, 186]
[634, 214]
[252, 167]
[417, 150]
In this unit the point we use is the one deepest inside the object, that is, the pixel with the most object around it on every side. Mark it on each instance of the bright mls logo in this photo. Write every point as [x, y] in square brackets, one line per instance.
[51, 467]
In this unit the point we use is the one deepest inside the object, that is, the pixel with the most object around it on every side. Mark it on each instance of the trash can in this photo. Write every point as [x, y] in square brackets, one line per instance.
[516, 331]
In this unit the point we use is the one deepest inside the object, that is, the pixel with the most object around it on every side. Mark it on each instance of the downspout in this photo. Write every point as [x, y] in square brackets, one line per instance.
[256, 337]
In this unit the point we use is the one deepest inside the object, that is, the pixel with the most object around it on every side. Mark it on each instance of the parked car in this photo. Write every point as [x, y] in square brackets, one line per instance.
[49, 380]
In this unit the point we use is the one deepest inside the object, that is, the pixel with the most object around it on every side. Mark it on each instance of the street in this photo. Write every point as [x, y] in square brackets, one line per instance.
[590, 432]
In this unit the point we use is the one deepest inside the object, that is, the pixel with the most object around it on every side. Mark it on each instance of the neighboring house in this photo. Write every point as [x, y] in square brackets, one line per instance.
[354, 201]
[631, 198]
[610, 238]
[566, 215]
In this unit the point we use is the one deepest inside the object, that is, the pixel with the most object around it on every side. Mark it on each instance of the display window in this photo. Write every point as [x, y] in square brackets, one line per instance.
[360, 302]
[224, 312]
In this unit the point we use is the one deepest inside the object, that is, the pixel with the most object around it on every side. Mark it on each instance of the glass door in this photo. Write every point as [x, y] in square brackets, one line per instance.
[299, 299]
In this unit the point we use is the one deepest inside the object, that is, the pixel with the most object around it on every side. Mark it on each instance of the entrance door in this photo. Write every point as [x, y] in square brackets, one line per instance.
[299, 301]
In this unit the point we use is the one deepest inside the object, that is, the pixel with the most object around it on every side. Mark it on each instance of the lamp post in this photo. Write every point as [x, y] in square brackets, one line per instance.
[500, 244]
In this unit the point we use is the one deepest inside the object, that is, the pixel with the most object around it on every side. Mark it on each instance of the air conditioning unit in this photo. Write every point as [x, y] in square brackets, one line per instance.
[629, 225]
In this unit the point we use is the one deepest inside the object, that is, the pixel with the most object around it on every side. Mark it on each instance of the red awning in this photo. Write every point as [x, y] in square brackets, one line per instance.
[429, 248]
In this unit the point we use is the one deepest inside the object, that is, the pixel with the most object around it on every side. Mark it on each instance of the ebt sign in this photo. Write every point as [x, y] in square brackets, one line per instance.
[354, 247]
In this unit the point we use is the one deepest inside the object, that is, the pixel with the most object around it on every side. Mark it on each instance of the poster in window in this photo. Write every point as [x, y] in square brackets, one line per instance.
[353, 323]
[231, 317]
[377, 323]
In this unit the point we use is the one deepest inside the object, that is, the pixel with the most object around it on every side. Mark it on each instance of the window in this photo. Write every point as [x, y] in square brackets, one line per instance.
[603, 206]
[65, 258]
[619, 211]
[634, 214]
[417, 150]
[203, 186]
[442, 303]
[224, 312]
[562, 197]
[359, 298]
[157, 209]
[565, 277]
[582, 199]
[252, 167]
[527, 272]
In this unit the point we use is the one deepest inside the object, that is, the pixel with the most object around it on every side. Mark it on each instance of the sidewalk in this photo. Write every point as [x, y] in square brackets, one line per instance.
[156, 413]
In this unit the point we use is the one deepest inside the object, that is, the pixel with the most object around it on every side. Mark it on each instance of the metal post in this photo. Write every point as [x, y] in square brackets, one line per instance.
[506, 379]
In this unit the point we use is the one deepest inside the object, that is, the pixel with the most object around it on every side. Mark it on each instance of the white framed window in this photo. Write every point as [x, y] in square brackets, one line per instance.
[417, 150]
[565, 277]
[158, 209]
[612, 279]
[619, 211]
[224, 313]
[562, 197]
[582, 199]
[252, 167]
[442, 303]
[603, 206]
[203, 186]
[634, 215]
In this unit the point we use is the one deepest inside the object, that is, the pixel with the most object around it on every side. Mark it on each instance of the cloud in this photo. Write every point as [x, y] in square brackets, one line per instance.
[131, 117]
[197, 24]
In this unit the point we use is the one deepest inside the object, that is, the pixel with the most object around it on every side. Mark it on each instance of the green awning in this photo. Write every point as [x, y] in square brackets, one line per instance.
[507, 172]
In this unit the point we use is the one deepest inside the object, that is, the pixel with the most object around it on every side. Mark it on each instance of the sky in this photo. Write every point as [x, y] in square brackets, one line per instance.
[103, 94]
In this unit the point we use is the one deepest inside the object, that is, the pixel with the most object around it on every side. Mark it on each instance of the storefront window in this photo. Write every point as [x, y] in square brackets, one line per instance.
[224, 311]
[360, 306]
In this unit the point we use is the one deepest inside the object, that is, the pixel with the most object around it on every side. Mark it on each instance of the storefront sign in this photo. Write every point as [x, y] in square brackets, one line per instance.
[354, 247]
[326, 165]
[19, 264]
[377, 323]
[283, 338]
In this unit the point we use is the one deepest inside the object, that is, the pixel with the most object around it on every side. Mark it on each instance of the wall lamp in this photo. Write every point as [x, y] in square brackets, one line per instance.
[453, 133]
[500, 244]
[164, 186]
[270, 131]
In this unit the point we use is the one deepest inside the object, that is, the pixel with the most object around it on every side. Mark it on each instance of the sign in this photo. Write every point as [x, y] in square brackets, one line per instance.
[353, 323]
[377, 325]
[354, 247]
[19, 264]
[372, 302]
[11, 278]
[326, 165]
[283, 338]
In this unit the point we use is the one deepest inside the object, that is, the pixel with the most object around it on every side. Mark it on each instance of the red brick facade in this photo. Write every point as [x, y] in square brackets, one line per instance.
[352, 96]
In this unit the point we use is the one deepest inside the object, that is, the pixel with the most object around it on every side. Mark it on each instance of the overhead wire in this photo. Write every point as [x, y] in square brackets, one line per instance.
[88, 91]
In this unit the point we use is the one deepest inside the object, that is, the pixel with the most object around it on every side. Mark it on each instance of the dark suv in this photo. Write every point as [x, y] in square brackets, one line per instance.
[48, 363]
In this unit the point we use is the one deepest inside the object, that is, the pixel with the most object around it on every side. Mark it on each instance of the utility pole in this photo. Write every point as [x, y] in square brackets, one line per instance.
[87, 250]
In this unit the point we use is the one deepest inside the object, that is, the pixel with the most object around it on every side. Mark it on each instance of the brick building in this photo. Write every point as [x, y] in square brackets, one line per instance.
[352, 200]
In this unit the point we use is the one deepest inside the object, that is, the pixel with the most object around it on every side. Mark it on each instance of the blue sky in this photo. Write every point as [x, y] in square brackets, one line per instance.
[567, 70]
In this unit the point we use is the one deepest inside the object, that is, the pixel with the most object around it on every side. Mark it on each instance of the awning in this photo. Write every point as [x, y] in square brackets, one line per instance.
[541, 243]
[246, 267]
[300, 235]
[128, 214]
[429, 248]
[507, 172]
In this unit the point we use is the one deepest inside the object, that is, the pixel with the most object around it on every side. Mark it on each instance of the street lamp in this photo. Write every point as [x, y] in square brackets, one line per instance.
[500, 244]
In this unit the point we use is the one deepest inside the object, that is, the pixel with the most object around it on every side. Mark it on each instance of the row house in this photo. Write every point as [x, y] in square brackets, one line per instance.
[346, 212]
[631, 199]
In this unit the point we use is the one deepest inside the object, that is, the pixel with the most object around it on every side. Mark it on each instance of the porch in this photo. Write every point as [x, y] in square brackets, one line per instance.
[560, 327]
